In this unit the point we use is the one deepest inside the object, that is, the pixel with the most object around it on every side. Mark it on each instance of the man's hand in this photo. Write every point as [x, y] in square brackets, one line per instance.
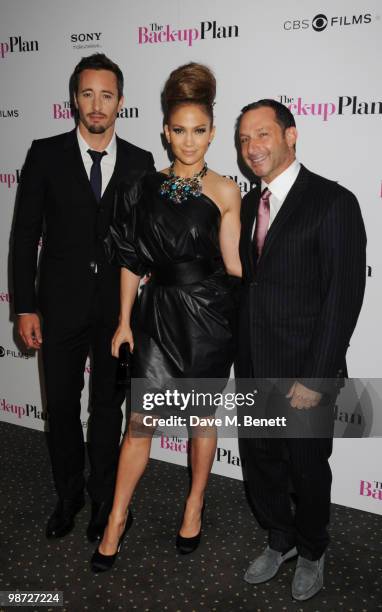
[28, 327]
[302, 397]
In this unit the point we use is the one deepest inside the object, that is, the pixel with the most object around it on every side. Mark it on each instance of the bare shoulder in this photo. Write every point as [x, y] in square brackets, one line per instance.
[165, 171]
[224, 191]
[223, 184]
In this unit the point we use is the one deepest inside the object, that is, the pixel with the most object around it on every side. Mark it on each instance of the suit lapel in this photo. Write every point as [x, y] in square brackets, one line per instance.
[291, 203]
[125, 168]
[248, 218]
[121, 164]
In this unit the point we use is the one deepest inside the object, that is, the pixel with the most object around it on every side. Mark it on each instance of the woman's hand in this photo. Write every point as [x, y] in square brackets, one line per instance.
[122, 334]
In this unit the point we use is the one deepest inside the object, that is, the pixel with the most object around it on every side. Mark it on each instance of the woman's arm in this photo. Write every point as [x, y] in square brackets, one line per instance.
[229, 236]
[129, 288]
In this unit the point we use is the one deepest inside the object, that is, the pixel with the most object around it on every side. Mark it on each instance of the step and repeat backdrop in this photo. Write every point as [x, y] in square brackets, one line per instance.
[320, 58]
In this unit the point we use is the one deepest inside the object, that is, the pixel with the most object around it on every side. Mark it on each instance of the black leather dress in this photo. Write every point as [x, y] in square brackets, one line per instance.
[184, 316]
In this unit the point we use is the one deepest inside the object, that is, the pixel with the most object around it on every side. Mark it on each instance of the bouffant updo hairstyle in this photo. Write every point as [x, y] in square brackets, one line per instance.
[189, 84]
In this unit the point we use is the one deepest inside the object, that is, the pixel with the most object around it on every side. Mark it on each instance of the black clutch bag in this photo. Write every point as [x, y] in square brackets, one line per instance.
[124, 365]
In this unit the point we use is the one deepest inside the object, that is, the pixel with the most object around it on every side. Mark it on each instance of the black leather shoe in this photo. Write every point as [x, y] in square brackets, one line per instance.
[187, 545]
[62, 520]
[103, 563]
[98, 520]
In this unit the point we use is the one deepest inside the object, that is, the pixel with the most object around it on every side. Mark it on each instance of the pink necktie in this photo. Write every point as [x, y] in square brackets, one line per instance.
[262, 221]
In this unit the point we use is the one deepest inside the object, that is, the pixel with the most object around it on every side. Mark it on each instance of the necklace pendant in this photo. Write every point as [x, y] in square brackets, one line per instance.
[178, 188]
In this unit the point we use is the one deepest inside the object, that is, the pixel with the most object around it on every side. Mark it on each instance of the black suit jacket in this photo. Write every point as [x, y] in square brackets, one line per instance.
[56, 198]
[301, 301]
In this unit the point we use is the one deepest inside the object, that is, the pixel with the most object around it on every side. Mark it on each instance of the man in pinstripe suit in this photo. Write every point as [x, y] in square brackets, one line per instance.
[302, 249]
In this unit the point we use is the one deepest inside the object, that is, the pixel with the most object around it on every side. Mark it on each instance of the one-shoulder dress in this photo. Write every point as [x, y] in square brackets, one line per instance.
[183, 323]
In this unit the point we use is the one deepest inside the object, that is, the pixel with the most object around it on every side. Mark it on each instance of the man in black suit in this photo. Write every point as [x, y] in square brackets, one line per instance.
[67, 192]
[302, 249]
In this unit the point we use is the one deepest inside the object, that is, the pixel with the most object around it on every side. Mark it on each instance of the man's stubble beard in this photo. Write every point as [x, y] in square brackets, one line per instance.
[96, 129]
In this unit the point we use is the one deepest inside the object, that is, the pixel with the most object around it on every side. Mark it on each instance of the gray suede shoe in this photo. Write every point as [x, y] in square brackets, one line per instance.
[308, 578]
[267, 565]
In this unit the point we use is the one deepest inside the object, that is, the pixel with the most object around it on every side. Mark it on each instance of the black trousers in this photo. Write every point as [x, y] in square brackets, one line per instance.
[64, 354]
[273, 467]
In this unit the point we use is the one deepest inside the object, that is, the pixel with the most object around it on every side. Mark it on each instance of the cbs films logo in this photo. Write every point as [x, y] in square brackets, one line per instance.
[9, 113]
[321, 22]
[12, 354]
[63, 110]
[86, 40]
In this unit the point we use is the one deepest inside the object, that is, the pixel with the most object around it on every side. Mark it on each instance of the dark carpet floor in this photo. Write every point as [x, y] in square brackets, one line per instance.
[149, 575]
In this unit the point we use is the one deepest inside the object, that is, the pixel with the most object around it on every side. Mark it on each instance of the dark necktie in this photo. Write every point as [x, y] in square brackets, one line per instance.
[95, 172]
[262, 223]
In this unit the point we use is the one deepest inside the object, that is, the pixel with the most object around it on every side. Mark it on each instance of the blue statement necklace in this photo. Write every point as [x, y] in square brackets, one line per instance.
[178, 188]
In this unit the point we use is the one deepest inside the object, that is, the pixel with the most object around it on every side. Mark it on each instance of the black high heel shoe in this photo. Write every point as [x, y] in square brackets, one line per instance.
[187, 545]
[103, 563]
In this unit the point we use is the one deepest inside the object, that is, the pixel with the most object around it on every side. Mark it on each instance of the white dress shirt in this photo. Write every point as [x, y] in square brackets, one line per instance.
[279, 189]
[107, 161]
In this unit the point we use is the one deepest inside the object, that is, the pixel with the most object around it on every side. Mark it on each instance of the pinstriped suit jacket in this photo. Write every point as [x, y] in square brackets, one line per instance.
[301, 301]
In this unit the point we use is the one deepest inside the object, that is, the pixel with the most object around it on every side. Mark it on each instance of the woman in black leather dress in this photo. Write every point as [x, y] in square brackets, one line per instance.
[181, 226]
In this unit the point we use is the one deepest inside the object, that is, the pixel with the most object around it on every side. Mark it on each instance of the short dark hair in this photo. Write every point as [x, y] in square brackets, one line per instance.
[97, 61]
[284, 117]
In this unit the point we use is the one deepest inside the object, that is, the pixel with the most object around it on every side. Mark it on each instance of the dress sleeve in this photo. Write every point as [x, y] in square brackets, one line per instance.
[122, 238]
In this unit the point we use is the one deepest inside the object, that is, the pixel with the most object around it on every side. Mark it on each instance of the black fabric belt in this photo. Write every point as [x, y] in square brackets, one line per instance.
[184, 273]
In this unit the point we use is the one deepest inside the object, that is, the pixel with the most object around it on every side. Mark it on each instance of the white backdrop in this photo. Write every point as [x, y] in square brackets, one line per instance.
[320, 57]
